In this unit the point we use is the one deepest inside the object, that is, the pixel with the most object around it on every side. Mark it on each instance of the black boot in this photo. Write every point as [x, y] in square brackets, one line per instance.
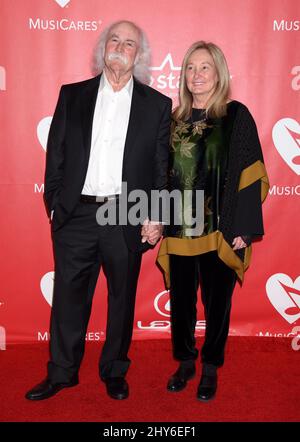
[184, 373]
[208, 383]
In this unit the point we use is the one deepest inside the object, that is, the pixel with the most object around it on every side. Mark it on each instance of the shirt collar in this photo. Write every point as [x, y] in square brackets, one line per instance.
[105, 84]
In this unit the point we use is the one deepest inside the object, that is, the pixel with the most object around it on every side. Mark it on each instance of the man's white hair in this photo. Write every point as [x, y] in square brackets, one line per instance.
[141, 69]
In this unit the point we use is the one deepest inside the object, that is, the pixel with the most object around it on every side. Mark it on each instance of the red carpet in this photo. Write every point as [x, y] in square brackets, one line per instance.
[260, 382]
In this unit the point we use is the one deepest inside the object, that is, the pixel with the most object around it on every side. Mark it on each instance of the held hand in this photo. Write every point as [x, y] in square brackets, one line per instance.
[155, 232]
[151, 232]
[238, 243]
[144, 231]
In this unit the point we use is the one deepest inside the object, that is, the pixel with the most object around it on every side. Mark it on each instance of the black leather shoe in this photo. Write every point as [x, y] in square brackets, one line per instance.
[46, 389]
[184, 373]
[117, 387]
[208, 383]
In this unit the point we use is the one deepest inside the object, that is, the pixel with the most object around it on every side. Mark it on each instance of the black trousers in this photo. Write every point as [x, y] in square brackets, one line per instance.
[81, 248]
[217, 282]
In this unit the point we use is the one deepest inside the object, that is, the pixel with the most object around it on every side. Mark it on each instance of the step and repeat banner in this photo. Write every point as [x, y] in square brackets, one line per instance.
[47, 43]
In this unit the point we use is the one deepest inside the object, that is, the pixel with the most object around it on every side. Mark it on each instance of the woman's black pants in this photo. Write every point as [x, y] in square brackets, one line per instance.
[217, 282]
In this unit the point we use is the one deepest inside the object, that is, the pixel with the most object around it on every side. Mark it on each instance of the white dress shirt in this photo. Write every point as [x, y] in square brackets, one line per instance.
[110, 123]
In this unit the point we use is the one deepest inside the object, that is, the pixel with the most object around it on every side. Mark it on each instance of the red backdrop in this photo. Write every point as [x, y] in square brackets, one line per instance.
[45, 43]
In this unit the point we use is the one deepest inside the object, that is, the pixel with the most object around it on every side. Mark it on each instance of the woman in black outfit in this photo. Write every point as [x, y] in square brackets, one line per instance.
[215, 149]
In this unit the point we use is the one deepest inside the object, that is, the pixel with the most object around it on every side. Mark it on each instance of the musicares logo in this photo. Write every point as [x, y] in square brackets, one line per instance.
[43, 131]
[2, 79]
[47, 284]
[284, 294]
[286, 138]
[296, 80]
[62, 3]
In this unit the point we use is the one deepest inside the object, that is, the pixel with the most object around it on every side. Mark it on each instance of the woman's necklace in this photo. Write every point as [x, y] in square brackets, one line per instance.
[201, 122]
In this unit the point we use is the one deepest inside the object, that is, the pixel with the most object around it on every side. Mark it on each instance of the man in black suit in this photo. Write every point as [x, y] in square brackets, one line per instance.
[108, 130]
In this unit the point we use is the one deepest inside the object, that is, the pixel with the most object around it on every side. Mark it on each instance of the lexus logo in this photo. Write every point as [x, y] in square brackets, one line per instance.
[2, 338]
[162, 303]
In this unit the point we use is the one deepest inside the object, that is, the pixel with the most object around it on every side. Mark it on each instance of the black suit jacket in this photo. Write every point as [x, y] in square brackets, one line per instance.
[146, 152]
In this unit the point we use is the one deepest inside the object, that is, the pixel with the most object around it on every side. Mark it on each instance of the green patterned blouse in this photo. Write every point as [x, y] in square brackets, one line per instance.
[199, 156]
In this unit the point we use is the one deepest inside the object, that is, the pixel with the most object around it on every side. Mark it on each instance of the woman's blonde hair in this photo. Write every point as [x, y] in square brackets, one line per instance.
[216, 106]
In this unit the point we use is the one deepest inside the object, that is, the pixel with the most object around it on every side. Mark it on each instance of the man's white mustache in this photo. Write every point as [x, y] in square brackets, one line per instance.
[116, 56]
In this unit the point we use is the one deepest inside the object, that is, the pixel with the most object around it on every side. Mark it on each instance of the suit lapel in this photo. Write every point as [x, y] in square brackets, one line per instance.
[135, 118]
[88, 103]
